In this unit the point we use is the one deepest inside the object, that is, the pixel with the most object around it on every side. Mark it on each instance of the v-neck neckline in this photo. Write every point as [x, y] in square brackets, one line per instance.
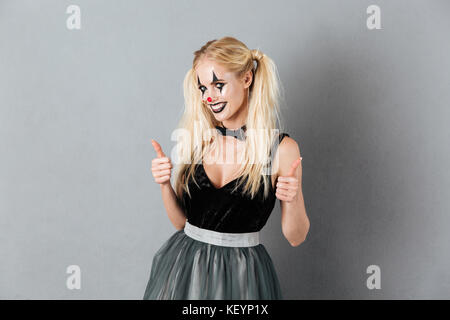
[226, 184]
[212, 184]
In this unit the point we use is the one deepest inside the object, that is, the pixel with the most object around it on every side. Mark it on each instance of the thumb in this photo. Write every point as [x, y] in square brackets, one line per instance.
[294, 166]
[158, 149]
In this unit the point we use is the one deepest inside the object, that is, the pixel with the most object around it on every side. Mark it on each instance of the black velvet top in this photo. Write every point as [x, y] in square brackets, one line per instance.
[220, 209]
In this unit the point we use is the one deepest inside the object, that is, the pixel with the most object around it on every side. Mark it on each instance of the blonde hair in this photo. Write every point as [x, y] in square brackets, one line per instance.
[263, 114]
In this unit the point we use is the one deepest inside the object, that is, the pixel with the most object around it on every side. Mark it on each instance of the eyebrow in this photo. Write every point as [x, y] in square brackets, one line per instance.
[214, 80]
[218, 80]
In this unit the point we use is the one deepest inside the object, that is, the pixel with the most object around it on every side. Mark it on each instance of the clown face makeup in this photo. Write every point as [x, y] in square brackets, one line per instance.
[223, 93]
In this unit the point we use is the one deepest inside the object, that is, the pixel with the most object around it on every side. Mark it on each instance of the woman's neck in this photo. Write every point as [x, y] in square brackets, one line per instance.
[232, 126]
[238, 121]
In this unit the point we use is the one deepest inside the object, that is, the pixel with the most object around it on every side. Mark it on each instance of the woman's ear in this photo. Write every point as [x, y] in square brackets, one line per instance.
[248, 79]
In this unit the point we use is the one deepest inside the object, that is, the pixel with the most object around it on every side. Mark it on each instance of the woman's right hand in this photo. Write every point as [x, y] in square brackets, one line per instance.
[161, 165]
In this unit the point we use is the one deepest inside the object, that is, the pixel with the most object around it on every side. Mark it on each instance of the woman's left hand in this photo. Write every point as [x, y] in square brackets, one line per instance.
[287, 186]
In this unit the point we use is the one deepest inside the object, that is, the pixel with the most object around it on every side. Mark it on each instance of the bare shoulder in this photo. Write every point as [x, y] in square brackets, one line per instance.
[288, 146]
[288, 151]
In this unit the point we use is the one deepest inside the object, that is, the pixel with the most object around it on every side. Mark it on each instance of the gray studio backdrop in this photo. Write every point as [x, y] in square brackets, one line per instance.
[369, 109]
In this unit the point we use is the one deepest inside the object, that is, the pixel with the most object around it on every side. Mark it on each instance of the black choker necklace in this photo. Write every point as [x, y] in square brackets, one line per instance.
[238, 133]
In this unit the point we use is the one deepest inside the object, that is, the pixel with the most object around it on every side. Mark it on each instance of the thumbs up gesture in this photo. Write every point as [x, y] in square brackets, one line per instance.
[287, 186]
[161, 165]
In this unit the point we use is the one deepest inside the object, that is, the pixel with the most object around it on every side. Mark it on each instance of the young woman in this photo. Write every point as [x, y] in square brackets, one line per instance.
[231, 169]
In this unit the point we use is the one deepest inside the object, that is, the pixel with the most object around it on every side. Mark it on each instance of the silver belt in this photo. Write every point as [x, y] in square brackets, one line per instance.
[248, 239]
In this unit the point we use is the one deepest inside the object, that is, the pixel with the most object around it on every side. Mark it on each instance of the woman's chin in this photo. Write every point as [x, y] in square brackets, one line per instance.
[221, 116]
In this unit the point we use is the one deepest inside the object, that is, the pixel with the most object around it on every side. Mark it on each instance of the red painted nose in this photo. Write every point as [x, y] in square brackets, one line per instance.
[209, 99]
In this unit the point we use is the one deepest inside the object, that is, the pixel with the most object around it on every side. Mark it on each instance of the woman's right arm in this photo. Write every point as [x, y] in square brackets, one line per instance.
[173, 208]
[161, 170]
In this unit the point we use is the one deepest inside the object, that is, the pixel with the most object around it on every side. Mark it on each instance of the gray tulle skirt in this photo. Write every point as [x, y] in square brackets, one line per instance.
[188, 269]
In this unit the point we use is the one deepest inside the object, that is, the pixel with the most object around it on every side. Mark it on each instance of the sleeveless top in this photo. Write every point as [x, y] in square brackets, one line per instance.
[221, 210]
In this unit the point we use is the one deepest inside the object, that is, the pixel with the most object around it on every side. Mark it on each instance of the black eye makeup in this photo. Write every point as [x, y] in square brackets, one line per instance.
[200, 86]
[202, 89]
[219, 85]
[214, 78]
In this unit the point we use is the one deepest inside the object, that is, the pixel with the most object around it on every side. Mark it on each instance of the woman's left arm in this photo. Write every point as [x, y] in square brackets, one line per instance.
[294, 221]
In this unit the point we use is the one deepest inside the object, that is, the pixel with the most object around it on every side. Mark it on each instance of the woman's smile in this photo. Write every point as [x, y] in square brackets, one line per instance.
[218, 107]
